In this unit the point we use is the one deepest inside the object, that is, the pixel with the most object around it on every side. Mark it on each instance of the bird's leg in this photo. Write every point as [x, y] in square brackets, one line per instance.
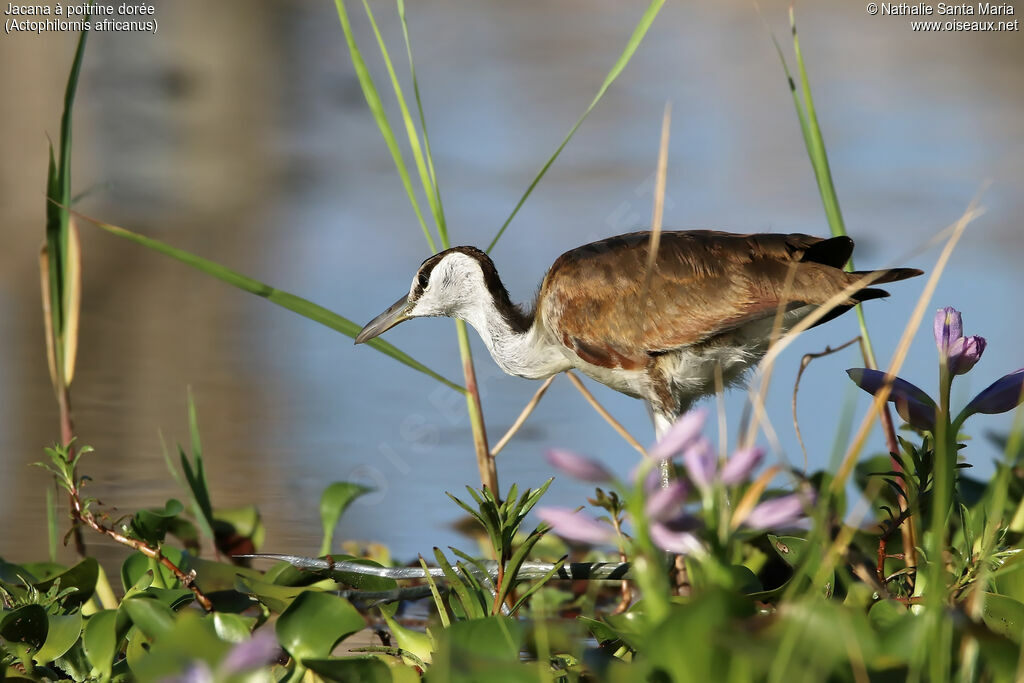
[661, 425]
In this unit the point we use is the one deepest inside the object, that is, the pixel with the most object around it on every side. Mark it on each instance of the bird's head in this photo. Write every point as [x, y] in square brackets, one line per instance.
[448, 283]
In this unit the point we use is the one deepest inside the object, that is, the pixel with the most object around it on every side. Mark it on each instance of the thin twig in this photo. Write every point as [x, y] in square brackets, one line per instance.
[804, 362]
[537, 396]
[604, 413]
[86, 517]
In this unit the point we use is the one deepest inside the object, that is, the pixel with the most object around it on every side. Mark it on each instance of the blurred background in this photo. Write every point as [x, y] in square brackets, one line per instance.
[239, 132]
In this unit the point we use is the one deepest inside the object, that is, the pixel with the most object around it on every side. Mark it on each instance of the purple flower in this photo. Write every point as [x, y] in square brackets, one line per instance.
[964, 353]
[574, 526]
[948, 328]
[738, 468]
[679, 436]
[1001, 396]
[913, 405]
[677, 537]
[777, 512]
[701, 464]
[578, 466]
[666, 502]
[258, 651]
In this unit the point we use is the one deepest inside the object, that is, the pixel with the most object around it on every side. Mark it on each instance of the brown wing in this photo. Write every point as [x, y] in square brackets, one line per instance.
[704, 284]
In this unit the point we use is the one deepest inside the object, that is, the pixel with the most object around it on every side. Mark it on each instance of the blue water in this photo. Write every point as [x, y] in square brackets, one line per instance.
[241, 134]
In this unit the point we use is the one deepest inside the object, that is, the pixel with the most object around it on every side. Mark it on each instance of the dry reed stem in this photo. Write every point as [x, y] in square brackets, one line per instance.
[527, 410]
[604, 413]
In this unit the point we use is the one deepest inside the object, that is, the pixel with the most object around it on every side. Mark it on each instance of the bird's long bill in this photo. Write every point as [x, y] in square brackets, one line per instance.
[395, 314]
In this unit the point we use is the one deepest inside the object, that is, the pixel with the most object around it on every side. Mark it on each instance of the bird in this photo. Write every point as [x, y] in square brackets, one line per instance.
[710, 301]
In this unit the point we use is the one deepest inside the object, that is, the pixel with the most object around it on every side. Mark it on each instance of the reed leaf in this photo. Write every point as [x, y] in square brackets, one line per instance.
[426, 176]
[634, 42]
[63, 261]
[292, 302]
[380, 116]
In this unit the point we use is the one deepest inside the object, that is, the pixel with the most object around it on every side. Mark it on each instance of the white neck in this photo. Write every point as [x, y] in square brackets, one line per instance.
[529, 354]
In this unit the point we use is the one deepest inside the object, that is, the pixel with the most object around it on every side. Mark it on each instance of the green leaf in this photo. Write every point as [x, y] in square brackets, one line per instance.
[151, 525]
[481, 649]
[426, 176]
[351, 669]
[436, 205]
[82, 577]
[314, 623]
[191, 639]
[151, 616]
[61, 634]
[136, 565]
[380, 116]
[333, 502]
[794, 551]
[1004, 616]
[418, 643]
[634, 42]
[279, 598]
[442, 611]
[238, 530]
[99, 641]
[232, 628]
[26, 625]
[296, 304]
[60, 266]
[472, 605]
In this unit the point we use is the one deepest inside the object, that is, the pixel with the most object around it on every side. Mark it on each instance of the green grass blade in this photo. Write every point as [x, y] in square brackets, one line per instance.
[816, 151]
[51, 523]
[410, 127]
[380, 116]
[58, 192]
[816, 143]
[296, 304]
[634, 42]
[442, 225]
[442, 611]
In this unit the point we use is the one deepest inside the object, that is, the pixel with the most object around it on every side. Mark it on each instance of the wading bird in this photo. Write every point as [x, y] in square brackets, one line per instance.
[710, 300]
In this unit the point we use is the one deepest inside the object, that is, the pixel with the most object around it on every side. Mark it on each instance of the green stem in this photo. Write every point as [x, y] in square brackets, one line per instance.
[484, 459]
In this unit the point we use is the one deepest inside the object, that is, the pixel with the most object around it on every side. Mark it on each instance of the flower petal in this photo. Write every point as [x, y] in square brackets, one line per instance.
[666, 502]
[948, 327]
[578, 466]
[700, 462]
[872, 381]
[777, 512]
[680, 435]
[738, 468]
[964, 353]
[915, 413]
[1001, 396]
[679, 542]
[254, 653]
[575, 526]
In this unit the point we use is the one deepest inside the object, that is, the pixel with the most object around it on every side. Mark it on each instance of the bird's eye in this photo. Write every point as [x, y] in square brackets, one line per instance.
[423, 280]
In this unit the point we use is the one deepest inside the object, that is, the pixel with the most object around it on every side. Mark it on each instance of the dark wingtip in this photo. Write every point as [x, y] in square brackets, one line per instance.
[870, 293]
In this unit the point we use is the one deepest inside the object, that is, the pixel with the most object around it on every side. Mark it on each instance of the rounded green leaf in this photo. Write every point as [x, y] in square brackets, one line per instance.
[26, 625]
[335, 500]
[61, 634]
[315, 622]
[99, 640]
[231, 627]
[151, 616]
[82, 577]
[151, 525]
[351, 669]
[1004, 615]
